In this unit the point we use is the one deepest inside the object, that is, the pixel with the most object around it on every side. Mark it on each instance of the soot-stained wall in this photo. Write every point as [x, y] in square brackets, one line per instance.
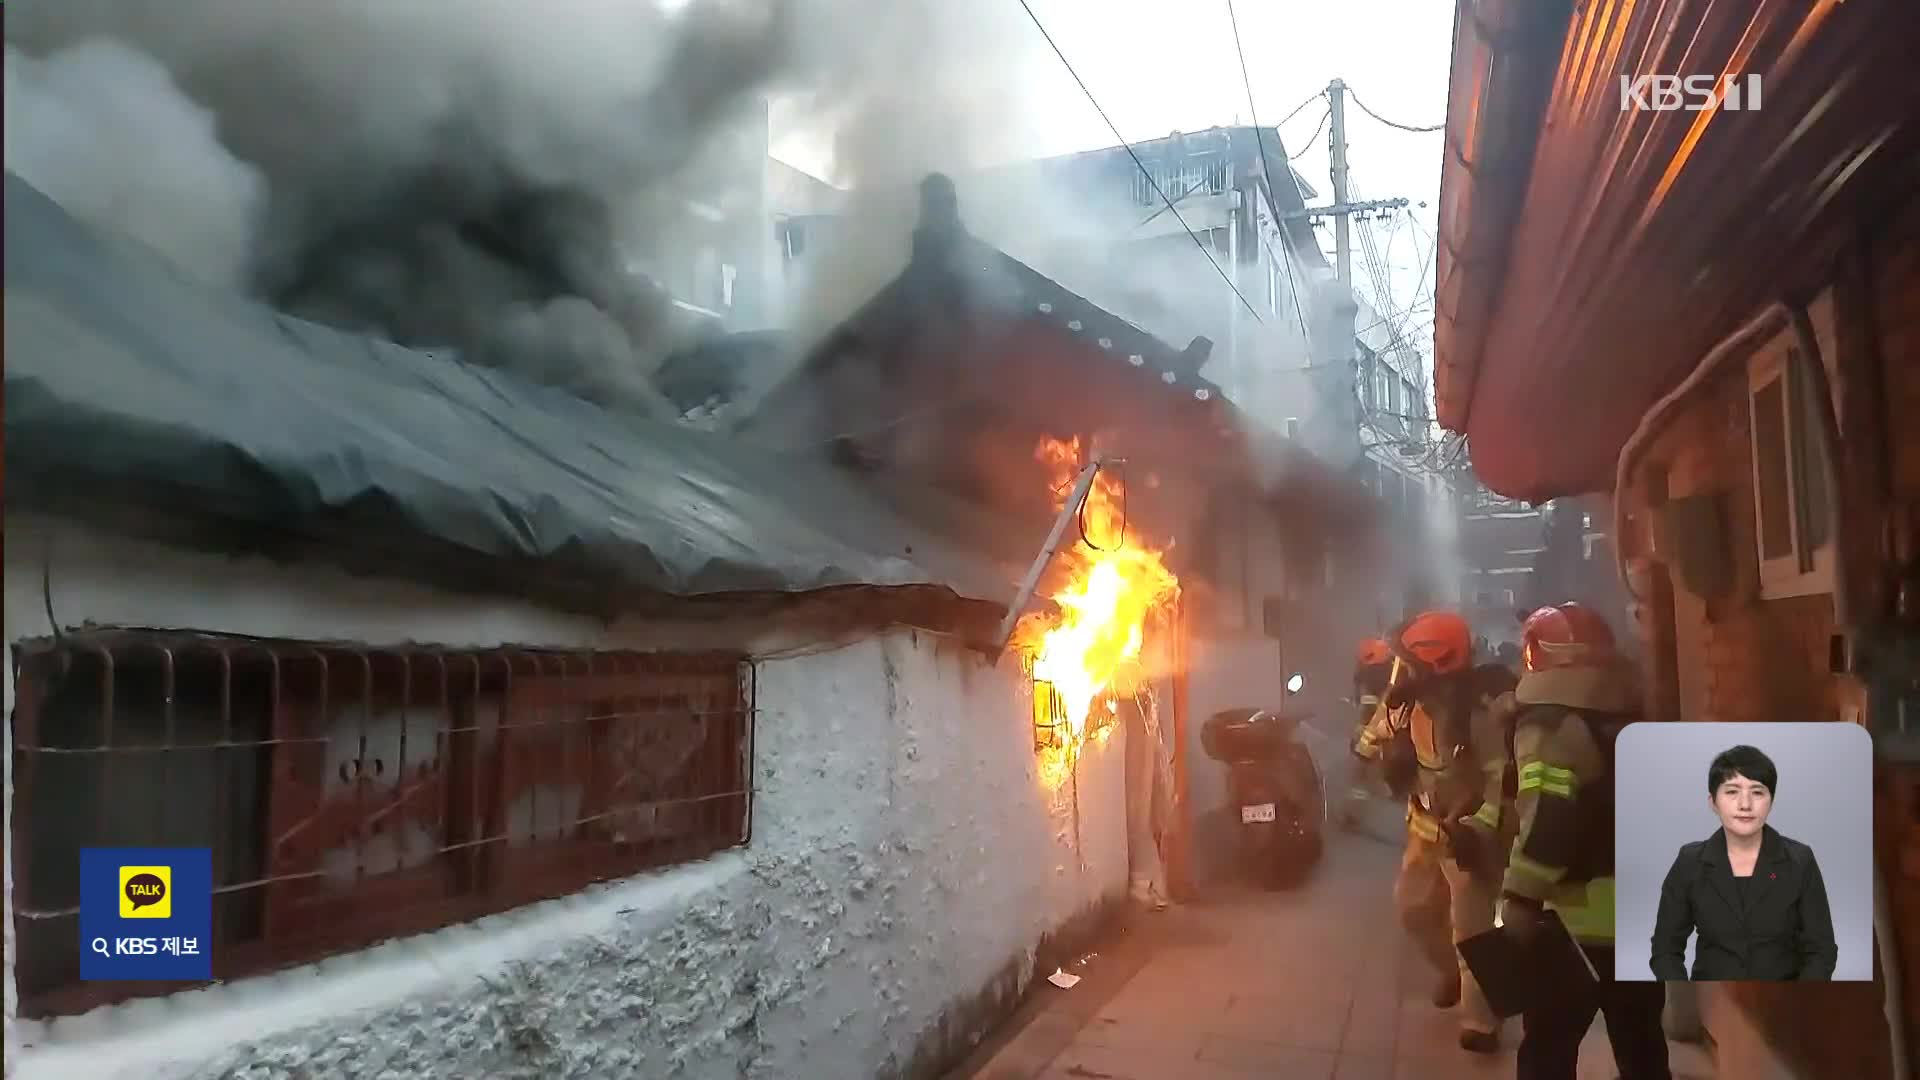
[907, 861]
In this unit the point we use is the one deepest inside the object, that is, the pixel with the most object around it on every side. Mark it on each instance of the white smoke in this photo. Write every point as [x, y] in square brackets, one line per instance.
[106, 131]
[496, 176]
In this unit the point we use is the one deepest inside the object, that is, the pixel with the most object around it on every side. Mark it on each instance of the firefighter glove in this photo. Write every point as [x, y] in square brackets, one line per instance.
[1476, 849]
[1521, 916]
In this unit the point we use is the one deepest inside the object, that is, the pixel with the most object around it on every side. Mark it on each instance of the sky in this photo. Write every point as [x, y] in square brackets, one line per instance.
[1156, 67]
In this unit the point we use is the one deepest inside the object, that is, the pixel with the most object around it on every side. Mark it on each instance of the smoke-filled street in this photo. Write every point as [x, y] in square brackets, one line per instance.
[906, 539]
[1247, 984]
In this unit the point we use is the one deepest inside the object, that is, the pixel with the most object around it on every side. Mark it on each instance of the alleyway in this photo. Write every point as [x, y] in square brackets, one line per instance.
[1312, 985]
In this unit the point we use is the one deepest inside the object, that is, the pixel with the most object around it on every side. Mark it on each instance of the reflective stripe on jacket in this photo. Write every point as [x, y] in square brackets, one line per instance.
[1561, 794]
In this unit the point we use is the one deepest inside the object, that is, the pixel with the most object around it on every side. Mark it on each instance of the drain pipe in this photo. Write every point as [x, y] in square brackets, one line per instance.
[1773, 317]
[1814, 371]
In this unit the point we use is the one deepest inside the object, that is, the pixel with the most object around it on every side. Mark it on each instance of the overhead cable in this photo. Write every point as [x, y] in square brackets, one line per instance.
[1391, 123]
[1148, 173]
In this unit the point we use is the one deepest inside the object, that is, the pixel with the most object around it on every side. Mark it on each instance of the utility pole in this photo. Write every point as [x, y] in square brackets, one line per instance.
[1337, 145]
[1342, 210]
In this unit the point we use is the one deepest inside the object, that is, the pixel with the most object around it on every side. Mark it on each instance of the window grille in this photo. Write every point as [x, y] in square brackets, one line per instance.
[352, 794]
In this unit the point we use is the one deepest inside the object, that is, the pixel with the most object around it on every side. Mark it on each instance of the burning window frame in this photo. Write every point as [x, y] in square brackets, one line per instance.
[1091, 635]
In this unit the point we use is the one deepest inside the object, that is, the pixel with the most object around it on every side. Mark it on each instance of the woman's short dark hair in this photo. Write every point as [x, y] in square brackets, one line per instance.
[1744, 761]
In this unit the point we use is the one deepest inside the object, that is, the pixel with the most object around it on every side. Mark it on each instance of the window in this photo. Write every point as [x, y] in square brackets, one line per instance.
[706, 278]
[1292, 428]
[1789, 477]
[794, 235]
[350, 795]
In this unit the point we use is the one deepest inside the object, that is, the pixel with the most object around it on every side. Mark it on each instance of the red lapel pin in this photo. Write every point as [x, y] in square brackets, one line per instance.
[1771, 877]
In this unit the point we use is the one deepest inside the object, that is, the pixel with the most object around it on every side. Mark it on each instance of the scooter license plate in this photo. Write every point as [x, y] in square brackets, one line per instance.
[1250, 814]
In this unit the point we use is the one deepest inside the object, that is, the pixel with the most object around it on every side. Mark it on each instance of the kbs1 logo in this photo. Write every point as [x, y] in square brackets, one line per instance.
[1693, 93]
[146, 913]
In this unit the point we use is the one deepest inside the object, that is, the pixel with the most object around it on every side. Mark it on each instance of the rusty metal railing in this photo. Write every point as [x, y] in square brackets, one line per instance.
[351, 794]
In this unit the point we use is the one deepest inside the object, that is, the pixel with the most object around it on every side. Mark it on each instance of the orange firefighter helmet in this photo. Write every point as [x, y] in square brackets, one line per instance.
[1374, 651]
[1434, 643]
[1568, 635]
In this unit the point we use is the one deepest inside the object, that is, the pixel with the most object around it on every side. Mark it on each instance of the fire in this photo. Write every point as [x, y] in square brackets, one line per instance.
[1112, 585]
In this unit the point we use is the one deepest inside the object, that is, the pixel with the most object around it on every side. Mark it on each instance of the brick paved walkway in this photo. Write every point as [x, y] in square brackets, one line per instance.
[1317, 984]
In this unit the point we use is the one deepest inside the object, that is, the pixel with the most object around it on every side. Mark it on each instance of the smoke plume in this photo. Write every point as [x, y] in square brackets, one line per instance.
[507, 178]
[76, 124]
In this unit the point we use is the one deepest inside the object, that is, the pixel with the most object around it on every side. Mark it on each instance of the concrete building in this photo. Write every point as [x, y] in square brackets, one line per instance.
[1500, 539]
[802, 208]
[1713, 317]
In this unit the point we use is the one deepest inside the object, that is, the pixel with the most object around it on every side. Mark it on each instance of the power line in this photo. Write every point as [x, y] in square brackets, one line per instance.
[1313, 138]
[1266, 169]
[1243, 67]
[1197, 242]
[1415, 308]
[1390, 123]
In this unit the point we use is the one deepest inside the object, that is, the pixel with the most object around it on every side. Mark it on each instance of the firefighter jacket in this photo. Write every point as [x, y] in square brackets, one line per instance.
[1564, 722]
[1459, 746]
[1369, 686]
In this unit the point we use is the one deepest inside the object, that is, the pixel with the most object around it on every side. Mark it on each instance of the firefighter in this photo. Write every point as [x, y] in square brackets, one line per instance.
[1371, 669]
[1576, 694]
[1438, 707]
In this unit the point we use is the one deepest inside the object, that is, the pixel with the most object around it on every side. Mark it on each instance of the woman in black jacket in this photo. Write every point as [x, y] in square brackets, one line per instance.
[1755, 896]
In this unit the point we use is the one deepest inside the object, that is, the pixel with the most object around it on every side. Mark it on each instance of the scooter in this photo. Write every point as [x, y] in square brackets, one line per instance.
[1273, 786]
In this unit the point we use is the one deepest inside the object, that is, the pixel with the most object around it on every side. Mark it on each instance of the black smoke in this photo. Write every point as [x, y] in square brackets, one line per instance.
[506, 179]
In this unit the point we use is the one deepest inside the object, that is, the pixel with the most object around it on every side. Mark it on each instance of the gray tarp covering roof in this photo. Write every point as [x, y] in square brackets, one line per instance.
[124, 376]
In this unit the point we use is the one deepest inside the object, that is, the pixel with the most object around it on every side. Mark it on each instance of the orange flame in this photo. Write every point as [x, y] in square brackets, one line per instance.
[1113, 585]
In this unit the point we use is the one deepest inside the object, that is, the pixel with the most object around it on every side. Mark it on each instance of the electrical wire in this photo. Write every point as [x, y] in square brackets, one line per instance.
[1379, 270]
[1148, 173]
[46, 589]
[1191, 188]
[1391, 123]
[1296, 108]
[1082, 514]
[1313, 138]
[1266, 170]
[1422, 307]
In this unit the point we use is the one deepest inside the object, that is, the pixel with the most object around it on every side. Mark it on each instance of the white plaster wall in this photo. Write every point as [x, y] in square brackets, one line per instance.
[905, 855]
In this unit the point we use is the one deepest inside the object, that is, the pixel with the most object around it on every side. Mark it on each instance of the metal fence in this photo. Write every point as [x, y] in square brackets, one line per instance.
[351, 794]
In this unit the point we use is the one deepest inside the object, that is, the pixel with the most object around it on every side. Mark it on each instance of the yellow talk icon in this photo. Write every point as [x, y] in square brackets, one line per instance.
[146, 892]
